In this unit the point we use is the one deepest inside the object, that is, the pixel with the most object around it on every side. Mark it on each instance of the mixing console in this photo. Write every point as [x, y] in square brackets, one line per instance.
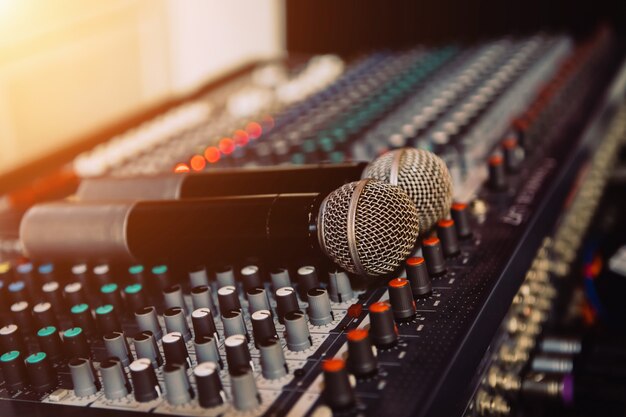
[191, 300]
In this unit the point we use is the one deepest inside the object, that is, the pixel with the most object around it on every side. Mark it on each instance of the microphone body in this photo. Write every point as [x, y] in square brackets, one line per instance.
[223, 182]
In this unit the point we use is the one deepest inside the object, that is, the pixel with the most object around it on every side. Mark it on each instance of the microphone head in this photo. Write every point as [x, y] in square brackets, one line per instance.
[368, 227]
[422, 175]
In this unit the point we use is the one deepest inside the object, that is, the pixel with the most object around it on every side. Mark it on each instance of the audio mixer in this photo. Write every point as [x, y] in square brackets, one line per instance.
[380, 236]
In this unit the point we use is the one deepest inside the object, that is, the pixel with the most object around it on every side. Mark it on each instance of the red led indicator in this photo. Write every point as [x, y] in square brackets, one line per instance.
[212, 154]
[181, 168]
[254, 130]
[241, 137]
[227, 146]
[495, 160]
[197, 162]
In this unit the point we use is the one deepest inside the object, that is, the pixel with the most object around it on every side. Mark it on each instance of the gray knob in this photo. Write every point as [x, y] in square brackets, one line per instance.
[114, 380]
[146, 319]
[257, 300]
[198, 276]
[173, 297]
[175, 321]
[234, 324]
[298, 336]
[243, 389]
[201, 297]
[340, 287]
[225, 276]
[319, 309]
[146, 347]
[117, 346]
[280, 278]
[177, 388]
[206, 350]
[83, 377]
[273, 364]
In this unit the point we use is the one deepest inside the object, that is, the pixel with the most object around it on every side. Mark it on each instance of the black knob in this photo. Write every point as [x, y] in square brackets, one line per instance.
[228, 299]
[263, 326]
[52, 293]
[74, 293]
[161, 277]
[383, 330]
[102, 275]
[433, 255]
[237, 352]
[361, 358]
[49, 342]
[513, 154]
[417, 275]
[136, 273]
[286, 301]
[203, 323]
[307, 280]
[251, 277]
[106, 319]
[82, 317]
[13, 370]
[145, 384]
[175, 350]
[22, 316]
[75, 344]
[41, 374]
[460, 216]
[11, 338]
[110, 294]
[338, 392]
[210, 391]
[497, 176]
[44, 315]
[134, 297]
[446, 231]
[401, 299]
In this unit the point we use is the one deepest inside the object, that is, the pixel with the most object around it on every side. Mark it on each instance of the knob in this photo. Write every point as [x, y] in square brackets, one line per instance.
[280, 278]
[286, 301]
[417, 275]
[22, 316]
[225, 276]
[161, 277]
[106, 319]
[75, 343]
[114, 379]
[173, 297]
[116, 345]
[340, 289]
[11, 338]
[234, 324]
[460, 216]
[513, 154]
[49, 342]
[401, 298]
[17, 291]
[175, 350]
[228, 299]
[257, 300]
[201, 298]
[13, 370]
[243, 389]
[198, 277]
[145, 384]
[177, 388]
[53, 294]
[446, 231]
[433, 255]
[80, 274]
[102, 275]
[82, 317]
[146, 319]
[44, 315]
[110, 294]
[273, 364]
[41, 374]
[497, 176]
[383, 330]
[361, 356]
[175, 321]
[203, 324]
[263, 326]
[74, 293]
[251, 277]
[206, 350]
[208, 384]
[307, 280]
[297, 331]
[338, 391]
[136, 273]
[83, 377]
[134, 297]
[237, 352]
[319, 309]
[146, 347]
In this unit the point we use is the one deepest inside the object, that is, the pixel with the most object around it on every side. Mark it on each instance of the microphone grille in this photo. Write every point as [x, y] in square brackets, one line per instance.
[368, 227]
[422, 175]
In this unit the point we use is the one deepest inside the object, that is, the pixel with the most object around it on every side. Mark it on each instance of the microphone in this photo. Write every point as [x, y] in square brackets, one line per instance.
[422, 174]
[366, 227]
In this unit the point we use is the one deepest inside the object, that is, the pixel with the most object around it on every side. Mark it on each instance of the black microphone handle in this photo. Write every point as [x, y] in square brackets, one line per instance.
[223, 182]
[194, 231]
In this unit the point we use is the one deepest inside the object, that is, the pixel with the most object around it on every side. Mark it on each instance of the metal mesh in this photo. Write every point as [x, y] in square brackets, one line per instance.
[386, 227]
[423, 176]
